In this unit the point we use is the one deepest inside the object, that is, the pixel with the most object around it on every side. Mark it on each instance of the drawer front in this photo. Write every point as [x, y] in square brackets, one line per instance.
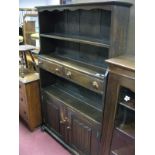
[23, 113]
[85, 80]
[21, 88]
[22, 99]
[51, 66]
[23, 108]
[22, 95]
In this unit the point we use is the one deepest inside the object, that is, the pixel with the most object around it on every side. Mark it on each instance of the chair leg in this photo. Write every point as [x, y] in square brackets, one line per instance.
[32, 58]
[25, 59]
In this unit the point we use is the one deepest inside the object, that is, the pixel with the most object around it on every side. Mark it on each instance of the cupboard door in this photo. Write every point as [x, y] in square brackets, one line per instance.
[81, 135]
[53, 115]
[85, 134]
[64, 124]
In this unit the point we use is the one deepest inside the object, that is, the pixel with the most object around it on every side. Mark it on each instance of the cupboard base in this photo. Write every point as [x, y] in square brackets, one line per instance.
[51, 133]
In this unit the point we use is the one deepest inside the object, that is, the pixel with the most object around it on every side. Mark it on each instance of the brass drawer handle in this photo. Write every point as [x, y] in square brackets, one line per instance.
[63, 121]
[68, 74]
[40, 62]
[68, 128]
[57, 70]
[95, 85]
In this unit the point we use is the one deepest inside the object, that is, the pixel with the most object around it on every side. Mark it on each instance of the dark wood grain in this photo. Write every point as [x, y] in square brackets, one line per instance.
[77, 39]
[53, 115]
[81, 136]
[75, 129]
[119, 28]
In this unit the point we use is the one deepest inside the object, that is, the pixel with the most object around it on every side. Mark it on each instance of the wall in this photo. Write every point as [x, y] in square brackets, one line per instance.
[53, 2]
[131, 29]
[33, 3]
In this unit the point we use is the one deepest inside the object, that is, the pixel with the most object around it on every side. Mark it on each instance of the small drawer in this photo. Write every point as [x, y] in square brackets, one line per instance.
[22, 100]
[51, 66]
[85, 80]
[23, 110]
[24, 114]
[21, 87]
[22, 97]
[23, 104]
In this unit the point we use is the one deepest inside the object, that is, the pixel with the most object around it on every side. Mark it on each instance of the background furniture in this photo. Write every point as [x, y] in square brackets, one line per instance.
[119, 115]
[29, 100]
[75, 41]
[27, 24]
[24, 51]
[28, 20]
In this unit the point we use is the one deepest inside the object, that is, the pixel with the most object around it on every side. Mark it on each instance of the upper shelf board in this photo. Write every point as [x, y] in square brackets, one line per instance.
[78, 39]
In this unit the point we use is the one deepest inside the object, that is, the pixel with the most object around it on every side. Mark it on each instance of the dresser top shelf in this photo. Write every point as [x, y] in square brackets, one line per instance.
[87, 6]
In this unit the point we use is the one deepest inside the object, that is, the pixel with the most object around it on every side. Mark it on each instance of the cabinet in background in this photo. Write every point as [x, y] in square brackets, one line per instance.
[30, 27]
[29, 100]
[119, 115]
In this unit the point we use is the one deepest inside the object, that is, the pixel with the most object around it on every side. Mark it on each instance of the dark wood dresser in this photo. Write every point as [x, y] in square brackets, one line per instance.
[119, 116]
[29, 100]
[75, 41]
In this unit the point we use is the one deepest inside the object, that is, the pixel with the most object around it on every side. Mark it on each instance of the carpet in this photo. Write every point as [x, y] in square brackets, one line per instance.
[38, 143]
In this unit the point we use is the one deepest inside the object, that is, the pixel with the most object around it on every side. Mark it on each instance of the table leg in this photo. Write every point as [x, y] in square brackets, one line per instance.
[25, 59]
[33, 60]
